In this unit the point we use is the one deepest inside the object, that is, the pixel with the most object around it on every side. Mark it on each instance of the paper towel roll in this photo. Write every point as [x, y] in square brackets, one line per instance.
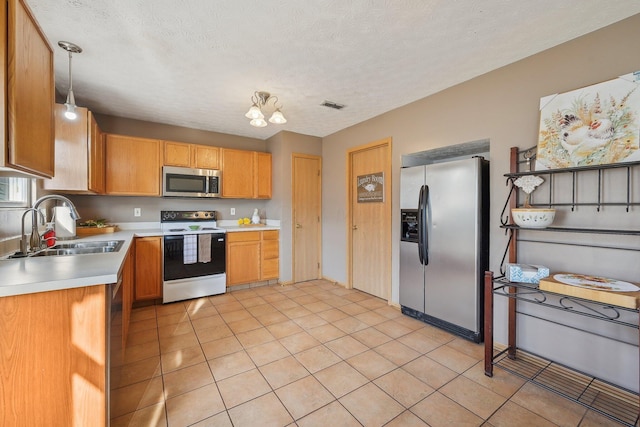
[64, 225]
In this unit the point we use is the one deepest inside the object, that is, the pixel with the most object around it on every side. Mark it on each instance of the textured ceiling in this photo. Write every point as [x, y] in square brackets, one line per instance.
[196, 63]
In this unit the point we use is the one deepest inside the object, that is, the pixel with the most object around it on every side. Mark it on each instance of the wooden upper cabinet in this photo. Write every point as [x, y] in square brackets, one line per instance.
[133, 165]
[246, 174]
[28, 103]
[79, 154]
[262, 184]
[237, 174]
[177, 154]
[191, 155]
[205, 157]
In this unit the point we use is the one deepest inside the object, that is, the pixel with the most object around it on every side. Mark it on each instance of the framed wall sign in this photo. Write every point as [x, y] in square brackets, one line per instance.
[370, 187]
[595, 125]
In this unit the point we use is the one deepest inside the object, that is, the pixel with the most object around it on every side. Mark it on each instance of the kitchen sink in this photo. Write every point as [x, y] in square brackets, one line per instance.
[111, 245]
[80, 248]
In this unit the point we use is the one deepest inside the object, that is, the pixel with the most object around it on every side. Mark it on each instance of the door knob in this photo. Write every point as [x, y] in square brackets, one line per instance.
[298, 225]
[355, 227]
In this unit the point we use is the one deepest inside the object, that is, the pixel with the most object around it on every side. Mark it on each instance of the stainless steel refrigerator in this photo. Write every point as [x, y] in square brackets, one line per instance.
[444, 246]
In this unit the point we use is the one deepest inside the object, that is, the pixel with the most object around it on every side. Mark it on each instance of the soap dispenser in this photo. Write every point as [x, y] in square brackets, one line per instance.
[255, 218]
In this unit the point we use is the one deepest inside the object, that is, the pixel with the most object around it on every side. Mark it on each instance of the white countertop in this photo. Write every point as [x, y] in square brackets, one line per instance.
[232, 226]
[239, 228]
[49, 273]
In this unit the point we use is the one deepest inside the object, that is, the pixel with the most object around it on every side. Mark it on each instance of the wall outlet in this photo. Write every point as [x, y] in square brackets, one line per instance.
[137, 211]
[233, 211]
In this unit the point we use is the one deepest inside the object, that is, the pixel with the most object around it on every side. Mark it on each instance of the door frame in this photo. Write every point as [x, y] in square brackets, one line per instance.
[293, 209]
[386, 142]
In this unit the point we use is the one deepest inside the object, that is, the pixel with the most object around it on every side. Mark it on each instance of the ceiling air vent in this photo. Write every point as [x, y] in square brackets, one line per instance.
[334, 105]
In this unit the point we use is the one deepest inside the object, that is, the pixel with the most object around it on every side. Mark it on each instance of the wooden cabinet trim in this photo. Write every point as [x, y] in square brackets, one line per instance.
[243, 236]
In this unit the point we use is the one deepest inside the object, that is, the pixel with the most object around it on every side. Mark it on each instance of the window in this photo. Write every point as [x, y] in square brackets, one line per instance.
[14, 192]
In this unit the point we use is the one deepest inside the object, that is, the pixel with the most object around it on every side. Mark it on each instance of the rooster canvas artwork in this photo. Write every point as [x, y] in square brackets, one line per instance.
[595, 125]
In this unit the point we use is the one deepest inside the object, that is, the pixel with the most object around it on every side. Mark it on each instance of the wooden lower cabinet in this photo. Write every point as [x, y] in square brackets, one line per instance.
[270, 255]
[243, 257]
[148, 268]
[53, 362]
[252, 256]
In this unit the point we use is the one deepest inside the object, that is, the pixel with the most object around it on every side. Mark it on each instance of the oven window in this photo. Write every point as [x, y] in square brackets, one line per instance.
[174, 259]
[186, 184]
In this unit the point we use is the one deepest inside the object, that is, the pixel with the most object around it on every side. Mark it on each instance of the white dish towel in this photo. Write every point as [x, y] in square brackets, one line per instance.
[190, 250]
[204, 248]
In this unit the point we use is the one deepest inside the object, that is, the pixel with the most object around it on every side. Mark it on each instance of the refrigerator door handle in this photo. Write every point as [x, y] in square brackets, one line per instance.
[423, 232]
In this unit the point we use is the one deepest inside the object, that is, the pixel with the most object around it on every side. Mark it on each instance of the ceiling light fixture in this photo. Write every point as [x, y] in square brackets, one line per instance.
[260, 100]
[71, 101]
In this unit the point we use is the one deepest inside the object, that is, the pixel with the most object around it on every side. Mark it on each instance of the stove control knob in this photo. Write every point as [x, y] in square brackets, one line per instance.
[196, 214]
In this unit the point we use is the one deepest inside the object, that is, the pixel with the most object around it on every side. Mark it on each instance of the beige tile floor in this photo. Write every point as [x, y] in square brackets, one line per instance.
[314, 354]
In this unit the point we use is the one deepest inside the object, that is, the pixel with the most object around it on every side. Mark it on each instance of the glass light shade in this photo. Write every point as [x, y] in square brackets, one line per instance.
[71, 111]
[259, 122]
[70, 114]
[277, 117]
[254, 113]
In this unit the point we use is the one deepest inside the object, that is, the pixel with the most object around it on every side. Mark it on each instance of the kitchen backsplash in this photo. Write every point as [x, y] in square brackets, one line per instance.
[121, 209]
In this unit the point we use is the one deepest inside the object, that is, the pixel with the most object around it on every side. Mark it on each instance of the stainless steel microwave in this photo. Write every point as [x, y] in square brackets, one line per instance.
[190, 182]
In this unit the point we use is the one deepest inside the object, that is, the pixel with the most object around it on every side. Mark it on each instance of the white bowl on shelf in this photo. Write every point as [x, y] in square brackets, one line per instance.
[533, 217]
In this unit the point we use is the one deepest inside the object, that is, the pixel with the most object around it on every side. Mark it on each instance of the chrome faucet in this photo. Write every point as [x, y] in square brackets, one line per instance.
[24, 244]
[35, 240]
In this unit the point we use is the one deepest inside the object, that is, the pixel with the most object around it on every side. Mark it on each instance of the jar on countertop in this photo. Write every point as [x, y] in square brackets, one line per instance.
[255, 218]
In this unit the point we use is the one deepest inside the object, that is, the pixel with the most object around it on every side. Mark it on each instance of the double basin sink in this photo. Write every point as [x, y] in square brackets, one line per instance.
[79, 248]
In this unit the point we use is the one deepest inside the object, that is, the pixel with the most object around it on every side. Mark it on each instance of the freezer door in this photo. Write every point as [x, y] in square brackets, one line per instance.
[411, 179]
[452, 292]
[411, 277]
[411, 270]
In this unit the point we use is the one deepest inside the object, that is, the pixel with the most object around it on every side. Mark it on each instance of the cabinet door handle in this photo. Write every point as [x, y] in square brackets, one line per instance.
[298, 225]
[355, 227]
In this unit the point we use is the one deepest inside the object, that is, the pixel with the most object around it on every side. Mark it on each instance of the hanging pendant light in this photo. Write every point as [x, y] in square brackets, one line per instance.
[70, 103]
[260, 100]
[278, 118]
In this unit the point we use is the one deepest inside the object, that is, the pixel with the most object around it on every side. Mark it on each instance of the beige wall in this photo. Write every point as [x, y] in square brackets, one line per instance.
[282, 146]
[501, 106]
[146, 129]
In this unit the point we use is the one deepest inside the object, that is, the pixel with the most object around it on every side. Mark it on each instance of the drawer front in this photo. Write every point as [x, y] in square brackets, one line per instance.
[270, 235]
[270, 269]
[270, 249]
[244, 236]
